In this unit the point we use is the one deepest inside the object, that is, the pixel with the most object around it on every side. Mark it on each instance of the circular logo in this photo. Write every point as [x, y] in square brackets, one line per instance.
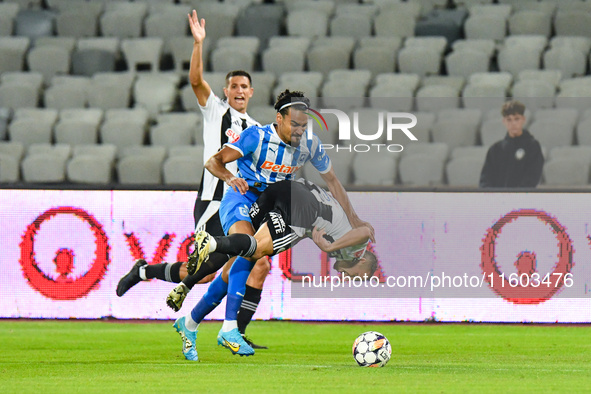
[529, 294]
[519, 153]
[64, 287]
[244, 211]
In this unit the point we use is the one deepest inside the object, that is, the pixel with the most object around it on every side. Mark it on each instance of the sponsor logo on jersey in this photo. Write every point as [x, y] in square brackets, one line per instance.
[280, 168]
[278, 222]
[232, 135]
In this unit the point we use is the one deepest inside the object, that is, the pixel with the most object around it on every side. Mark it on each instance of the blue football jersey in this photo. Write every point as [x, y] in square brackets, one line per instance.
[267, 159]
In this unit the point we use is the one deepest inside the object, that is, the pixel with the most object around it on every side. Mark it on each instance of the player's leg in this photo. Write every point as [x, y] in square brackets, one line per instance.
[141, 270]
[204, 218]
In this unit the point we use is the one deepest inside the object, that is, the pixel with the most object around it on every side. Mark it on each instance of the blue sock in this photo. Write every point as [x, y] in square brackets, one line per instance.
[213, 296]
[237, 286]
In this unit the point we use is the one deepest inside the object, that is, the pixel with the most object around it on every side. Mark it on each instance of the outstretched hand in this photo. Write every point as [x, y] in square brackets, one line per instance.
[197, 27]
[361, 223]
[319, 240]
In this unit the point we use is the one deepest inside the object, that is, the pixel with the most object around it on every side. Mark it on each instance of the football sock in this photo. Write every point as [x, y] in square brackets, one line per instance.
[168, 272]
[237, 286]
[236, 245]
[190, 323]
[212, 297]
[229, 325]
[251, 300]
[213, 264]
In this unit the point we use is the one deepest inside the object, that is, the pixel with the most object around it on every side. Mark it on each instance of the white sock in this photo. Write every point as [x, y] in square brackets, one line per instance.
[143, 272]
[229, 325]
[190, 323]
[212, 245]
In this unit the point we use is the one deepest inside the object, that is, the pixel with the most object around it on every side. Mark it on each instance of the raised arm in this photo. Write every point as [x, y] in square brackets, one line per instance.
[200, 87]
[216, 164]
[356, 236]
[339, 193]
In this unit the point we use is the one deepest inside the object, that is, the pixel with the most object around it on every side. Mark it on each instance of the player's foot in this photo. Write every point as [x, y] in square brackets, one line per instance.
[233, 340]
[201, 252]
[177, 296]
[189, 338]
[131, 279]
[252, 344]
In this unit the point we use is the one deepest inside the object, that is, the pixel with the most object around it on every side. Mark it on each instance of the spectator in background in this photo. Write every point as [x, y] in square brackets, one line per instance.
[516, 160]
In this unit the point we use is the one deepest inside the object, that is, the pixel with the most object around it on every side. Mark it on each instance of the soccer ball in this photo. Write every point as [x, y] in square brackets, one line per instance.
[372, 349]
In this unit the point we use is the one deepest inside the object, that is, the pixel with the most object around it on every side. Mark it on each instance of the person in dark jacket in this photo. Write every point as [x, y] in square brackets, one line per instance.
[516, 160]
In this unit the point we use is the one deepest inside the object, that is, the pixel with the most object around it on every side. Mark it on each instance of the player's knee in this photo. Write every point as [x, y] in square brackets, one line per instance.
[262, 265]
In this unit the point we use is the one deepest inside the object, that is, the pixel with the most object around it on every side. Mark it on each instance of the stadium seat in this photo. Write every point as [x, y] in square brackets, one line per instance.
[76, 132]
[582, 153]
[573, 24]
[156, 92]
[14, 149]
[261, 20]
[395, 24]
[108, 151]
[552, 132]
[516, 58]
[33, 126]
[364, 170]
[122, 23]
[283, 59]
[324, 6]
[168, 25]
[437, 97]
[221, 19]
[324, 59]
[111, 133]
[307, 23]
[530, 22]
[351, 25]
[420, 170]
[568, 116]
[34, 23]
[486, 27]
[464, 171]
[91, 61]
[534, 94]
[109, 44]
[375, 59]
[12, 53]
[421, 61]
[570, 61]
[10, 167]
[454, 132]
[263, 82]
[492, 130]
[487, 46]
[466, 62]
[110, 90]
[566, 171]
[584, 132]
[8, 12]
[456, 83]
[499, 79]
[170, 134]
[226, 59]
[88, 115]
[184, 166]
[182, 49]
[581, 43]
[409, 9]
[49, 61]
[531, 5]
[139, 51]
[264, 114]
[76, 23]
[553, 77]
[484, 97]
[65, 96]
[436, 149]
[89, 169]
[478, 152]
[45, 163]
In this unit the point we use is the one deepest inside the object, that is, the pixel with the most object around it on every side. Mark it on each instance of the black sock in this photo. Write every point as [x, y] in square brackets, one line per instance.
[251, 300]
[168, 272]
[213, 264]
[236, 245]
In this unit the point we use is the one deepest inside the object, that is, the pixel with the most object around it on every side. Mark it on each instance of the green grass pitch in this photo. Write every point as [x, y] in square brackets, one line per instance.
[129, 357]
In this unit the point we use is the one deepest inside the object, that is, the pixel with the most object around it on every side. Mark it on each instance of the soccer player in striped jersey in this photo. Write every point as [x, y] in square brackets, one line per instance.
[223, 122]
[265, 155]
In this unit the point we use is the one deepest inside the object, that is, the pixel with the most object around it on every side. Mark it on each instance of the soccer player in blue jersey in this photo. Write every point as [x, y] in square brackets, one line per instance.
[265, 155]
